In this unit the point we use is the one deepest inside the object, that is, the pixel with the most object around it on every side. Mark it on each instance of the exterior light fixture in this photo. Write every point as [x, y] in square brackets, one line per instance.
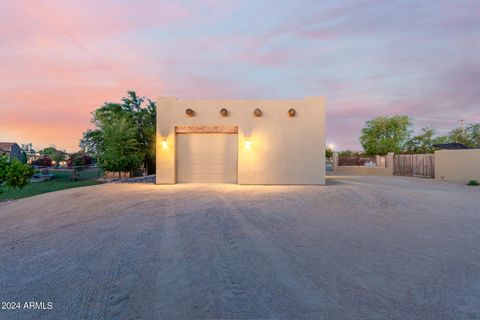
[257, 112]
[248, 144]
[292, 112]
[164, 143]
[189, 112]
[224, 112]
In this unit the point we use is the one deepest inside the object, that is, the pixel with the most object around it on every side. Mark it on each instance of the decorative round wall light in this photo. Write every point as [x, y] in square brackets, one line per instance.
[224, 112]
[189, 112]
[257, 112]
[292, 112]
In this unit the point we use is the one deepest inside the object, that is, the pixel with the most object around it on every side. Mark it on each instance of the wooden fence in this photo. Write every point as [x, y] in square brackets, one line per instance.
[414, 165]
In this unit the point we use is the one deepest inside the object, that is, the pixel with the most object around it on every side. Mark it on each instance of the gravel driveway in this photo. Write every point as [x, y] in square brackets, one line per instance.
[358, 248]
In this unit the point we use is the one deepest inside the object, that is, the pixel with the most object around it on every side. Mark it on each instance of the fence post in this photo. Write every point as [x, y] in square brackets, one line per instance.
[389, 163]
[335, 161]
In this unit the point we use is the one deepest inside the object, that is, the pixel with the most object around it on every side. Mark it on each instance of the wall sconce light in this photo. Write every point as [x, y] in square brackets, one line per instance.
[224, 112]
[248, 144]
[257, 112]
[292, 112]
[164, 143]
[189, 112]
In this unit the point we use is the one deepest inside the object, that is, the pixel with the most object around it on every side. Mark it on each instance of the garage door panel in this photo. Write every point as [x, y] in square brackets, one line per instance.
[207, 158]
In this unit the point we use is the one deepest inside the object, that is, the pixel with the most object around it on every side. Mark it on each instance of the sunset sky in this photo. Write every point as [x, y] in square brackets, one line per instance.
[60, 60]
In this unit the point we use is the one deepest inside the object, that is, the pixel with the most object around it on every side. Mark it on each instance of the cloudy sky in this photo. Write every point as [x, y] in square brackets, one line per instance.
[59, 59]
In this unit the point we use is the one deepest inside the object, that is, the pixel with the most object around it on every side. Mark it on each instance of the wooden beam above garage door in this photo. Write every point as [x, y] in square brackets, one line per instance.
[206, 129]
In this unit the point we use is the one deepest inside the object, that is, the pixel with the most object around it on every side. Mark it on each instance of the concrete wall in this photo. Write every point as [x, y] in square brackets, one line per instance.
[284, 150]
[365, 170]
[460, 165]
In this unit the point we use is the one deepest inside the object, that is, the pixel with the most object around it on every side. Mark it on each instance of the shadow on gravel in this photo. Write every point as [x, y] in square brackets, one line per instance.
[336, 180]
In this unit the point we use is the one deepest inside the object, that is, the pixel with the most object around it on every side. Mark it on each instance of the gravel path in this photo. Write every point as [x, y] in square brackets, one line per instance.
[358, 248]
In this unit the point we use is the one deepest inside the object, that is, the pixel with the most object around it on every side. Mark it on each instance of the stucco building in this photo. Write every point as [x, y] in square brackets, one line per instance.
[241, 141]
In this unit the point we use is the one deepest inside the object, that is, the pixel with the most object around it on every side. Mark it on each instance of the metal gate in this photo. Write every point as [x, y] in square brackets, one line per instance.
[414, 165]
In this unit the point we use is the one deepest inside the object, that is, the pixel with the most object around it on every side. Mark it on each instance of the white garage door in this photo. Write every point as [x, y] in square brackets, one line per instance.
[207, 157]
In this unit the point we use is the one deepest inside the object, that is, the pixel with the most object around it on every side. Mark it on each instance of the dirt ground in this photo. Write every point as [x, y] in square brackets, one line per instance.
[358, 248]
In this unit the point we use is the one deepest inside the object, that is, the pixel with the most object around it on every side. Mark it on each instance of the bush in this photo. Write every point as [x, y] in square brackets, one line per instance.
[14, 173]
[79, 159]
[329, 153]
[349, 153]
[473, 183]
[43, 161]
[18, 175]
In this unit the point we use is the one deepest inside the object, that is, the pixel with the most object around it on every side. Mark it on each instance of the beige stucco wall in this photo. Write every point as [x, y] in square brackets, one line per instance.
[365, 170]
[284, 150]
[461, 165]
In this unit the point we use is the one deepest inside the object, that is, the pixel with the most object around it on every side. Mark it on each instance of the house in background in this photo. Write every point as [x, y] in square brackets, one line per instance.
[11, 149]
[451, 146]
[241, 141]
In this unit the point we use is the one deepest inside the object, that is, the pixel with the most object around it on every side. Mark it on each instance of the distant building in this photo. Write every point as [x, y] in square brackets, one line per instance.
[11, 149]
[451, 146]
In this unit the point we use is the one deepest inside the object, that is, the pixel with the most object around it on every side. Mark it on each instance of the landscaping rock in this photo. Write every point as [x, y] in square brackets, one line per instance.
[145, 179]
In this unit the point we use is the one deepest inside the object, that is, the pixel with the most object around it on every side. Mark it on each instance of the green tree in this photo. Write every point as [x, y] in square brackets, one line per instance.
[469, 136]
[422, 143]
[459, 135]
[54, 154]
[91, 141]
[79, 159]
[473, 132]
[329, 153]
[139, 112]
[120, 149]
[385, 134]
[14, 174]
[440, 140]
[347, 153]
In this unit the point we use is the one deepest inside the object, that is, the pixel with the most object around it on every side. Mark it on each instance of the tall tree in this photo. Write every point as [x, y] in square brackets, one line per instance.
[424, 142]
[459, 135]
[120, 147]
[385, 134]
[469, 136]
[142, 118]
[473, 131]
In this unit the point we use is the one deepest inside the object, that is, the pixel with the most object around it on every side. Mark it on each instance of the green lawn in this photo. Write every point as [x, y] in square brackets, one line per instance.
[59, 182]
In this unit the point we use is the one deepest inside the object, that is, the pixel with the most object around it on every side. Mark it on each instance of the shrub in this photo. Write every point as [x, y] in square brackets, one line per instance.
[349, 153]
[329, 153]
[43, 161]
[14, 173]
[18, 175]
[79, 159]
[473, 183]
